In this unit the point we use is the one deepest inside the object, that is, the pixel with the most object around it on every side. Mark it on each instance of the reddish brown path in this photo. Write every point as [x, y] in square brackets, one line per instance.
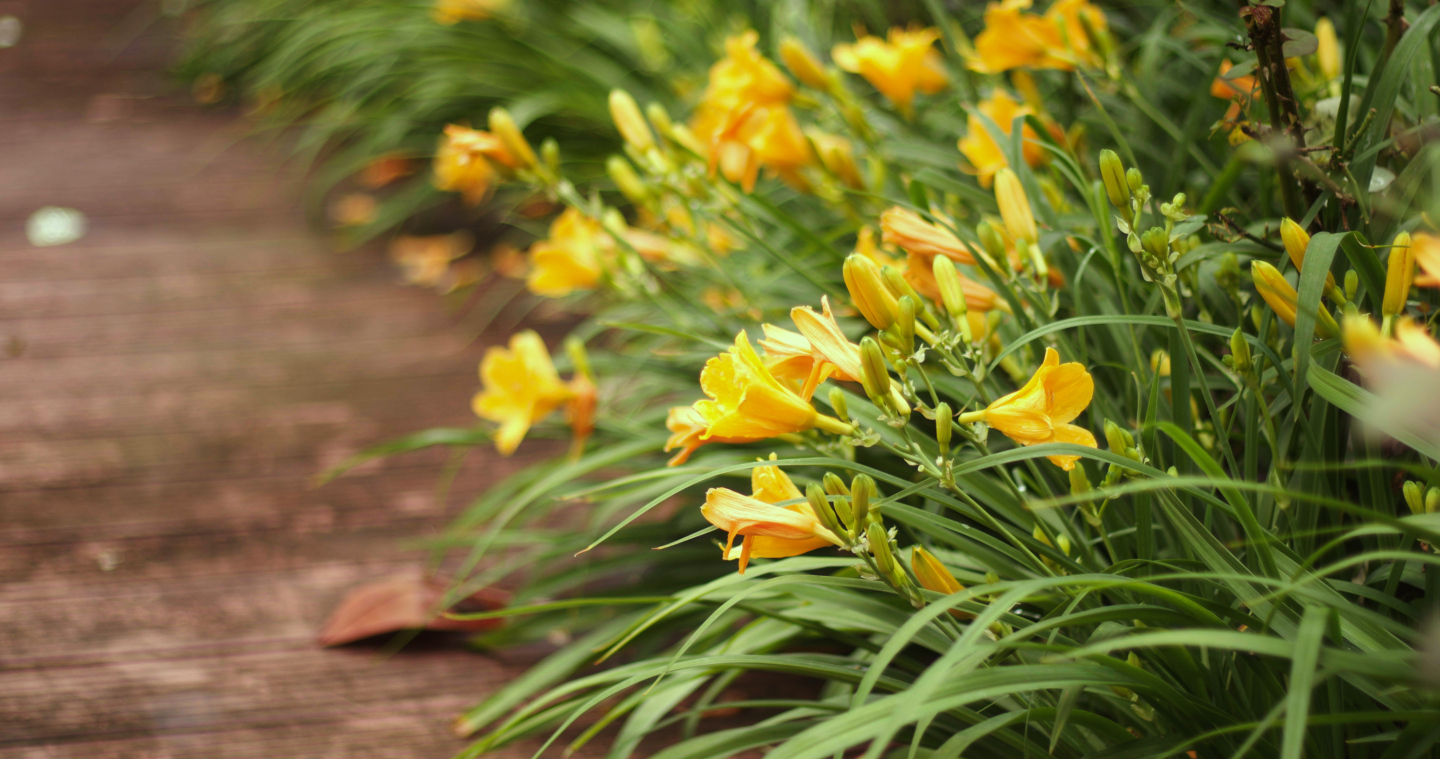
[169, 385]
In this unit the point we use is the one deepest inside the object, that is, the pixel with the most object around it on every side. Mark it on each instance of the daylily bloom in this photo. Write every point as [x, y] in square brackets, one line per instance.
[1058, 40]
[1041, 411]
[569, 259]
[1426, 250]
[1373, 351]
[454, 11]
[906, 230]
[747, 401]
[686, 428]
[866, 246]
[425, 260]
[833, 353]
[520, 387]
[981, 150]
[1238, 90]
[899, 66]
[788, 354]
[463, 163]
[769, 531]
[1284, 300]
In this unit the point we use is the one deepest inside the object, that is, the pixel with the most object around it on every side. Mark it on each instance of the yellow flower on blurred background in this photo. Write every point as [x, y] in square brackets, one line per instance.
[747, 401]
[425, 260]
[569, 259]
[1041, 411]
[1372, 351]
[899, 66]
[1327, 48]
[1425, 249]
[463, 162]
[1237, 90]
[833, 353]
[907, 231]
[454, 11]
[1013, 38]
[686, 427]
[519, 388]
[980, 149]
[769, 531]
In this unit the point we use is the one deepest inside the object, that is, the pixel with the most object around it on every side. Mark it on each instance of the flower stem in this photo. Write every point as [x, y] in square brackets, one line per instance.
[832, 425]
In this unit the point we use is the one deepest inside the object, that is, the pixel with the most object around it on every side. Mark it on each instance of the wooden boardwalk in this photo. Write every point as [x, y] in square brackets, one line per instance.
[169, 385]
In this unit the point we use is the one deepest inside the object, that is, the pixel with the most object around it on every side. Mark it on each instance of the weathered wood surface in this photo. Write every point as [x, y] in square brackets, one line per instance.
[169, 386]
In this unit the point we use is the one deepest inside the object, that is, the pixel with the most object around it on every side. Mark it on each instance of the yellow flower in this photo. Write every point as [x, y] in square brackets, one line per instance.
[1373, 352]
[569, 259]
[1041, 411]
[1327, 51]
[865, 245]
[1058, 40]
[931, 573]
[1399, 274]
[463, 162]
[686, 428]
[838, 158]
[769, 531]
[788, 354]
[833, 353]
[519, 388]
[803, 64]
[742, 77]
[1284, 301]
[747, 400]
[1238, 90]
[980, 149]
[906, 230]
[454, 11]
[1425, 248]
[1297, 241]
[899, 66]
[425, 260]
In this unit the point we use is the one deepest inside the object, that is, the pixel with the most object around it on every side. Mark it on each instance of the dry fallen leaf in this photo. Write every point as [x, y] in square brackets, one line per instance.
[404, 603]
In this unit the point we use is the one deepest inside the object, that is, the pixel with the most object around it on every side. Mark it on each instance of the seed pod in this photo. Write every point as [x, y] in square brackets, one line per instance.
[1112, 172]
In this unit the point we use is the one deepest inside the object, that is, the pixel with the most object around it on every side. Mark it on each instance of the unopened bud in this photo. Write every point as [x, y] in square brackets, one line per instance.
[628, 119]
[952, 293]
[991, 240]
[862, 490]
[905, 323]
[803, 64]
[1134, 180]
[1015, 207]
[931, 573]
[1112, 172]
[944, 427]
[502, 125]
[867, 289]
[815, 495]
[626, 180]
[1063, 543]
[1240, 351]
[879, 544]
[834, 485]
[838, 405]
[875, 377]
[1399, 274]
[550, 155]
[1116, 438]
[1414, 496]
[660, 119]
[1079, 481]
[1432, 500]
[1156, 242]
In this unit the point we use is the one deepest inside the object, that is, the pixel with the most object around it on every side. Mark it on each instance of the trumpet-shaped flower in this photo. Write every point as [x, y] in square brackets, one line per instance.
[769, 531]
[905, 229]
[463, 163]
[569, 259]
[984, 155]
[1373, 352]
[519, 388]
[833, 353]
[747, 401]
[687, 427]
[1041, 411]
[1060, 39]
[899, 66]
[1425, 249]
[1284, 301]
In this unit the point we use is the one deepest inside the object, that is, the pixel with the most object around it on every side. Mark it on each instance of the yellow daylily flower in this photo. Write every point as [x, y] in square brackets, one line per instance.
[463, 162]
[686, 427]
[747, 401]
[519, 388]
[449, 12]
[1041, 411]
[1058, 40]
[833, 353]
[1425, 248]
[425, 260]
[980, 149]
[1284, 301]
[933, 576]
[866, 246]
[769, 531]
[899, 66]
[788, 354]
[1372, 351]
[569, 259]
[906, 230]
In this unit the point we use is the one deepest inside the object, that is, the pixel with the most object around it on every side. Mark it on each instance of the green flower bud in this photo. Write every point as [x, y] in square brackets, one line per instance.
[1063, 543]
[944, 426]
[862, 488]
[1079, 481]
[834, 485]
[1414, 497]
[992, 241]
[879, 544]
[1432, 500]
[1112, 172]
[1134, 180]
[875, 377]
[1240, 351]
[1352, 283]
[626, 180]
[550, 155]
[660, 119]
[952, 295]
[1115, 437]
[1156, 242]
[838, 404]
[905, 324]
[821, 506]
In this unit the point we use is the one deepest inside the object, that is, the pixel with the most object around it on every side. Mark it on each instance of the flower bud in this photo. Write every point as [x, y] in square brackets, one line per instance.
[905, 324]
[1116, 438]
[1414, 497]
[952, 293]
[1062, 542]
[1112, 171]
[1399, 274]
[875, 377]
[1297, 241]
[1352, 283]
[861, 488]
[1015, 207]
[838, 404]
[834, 485]
[879, 543]
[931, 573]
[502, 125]
[867, 289]
[626, 180]
[944, 427]
[550, 156]
[1284, 301]
[1156, 242]
[627, 117]
[1134, 180]
[1240, 351]
[1079, 481]
[660, 119]
[1432, 500]
[990, 238]
[803, 64]
[821, 506]
[1327, 48]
